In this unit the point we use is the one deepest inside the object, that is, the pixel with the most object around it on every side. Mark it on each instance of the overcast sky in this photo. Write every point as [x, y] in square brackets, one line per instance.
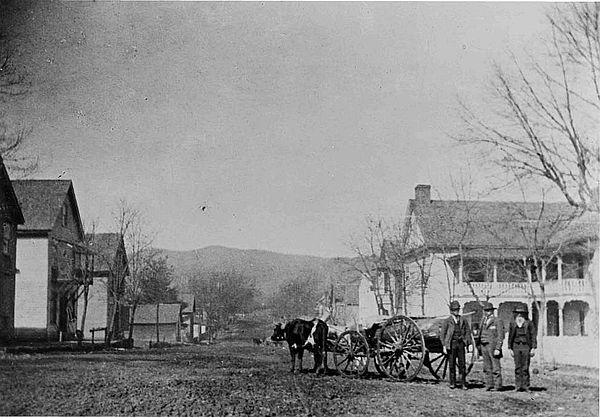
[287, 122]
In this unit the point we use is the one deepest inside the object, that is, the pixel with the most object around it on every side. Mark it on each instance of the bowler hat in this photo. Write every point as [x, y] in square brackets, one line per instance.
[486, 305]
[454, 305]
[521, 308]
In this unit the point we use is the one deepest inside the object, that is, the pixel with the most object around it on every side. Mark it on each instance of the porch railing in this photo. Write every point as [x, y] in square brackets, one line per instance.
[564, 287]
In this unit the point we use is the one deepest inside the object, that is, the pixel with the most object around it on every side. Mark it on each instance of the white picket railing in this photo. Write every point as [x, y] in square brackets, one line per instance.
[523, 289]
[568, 287]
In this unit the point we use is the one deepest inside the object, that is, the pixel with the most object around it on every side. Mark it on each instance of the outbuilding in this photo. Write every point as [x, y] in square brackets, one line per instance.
[157, 323]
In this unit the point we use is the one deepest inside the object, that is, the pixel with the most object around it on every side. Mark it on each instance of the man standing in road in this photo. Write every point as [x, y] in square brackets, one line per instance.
[490, 339]
[455, 336]
[522, 343]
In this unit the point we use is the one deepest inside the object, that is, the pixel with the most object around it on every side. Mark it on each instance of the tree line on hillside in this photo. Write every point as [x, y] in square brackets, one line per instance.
[220, 295]
[223, 295]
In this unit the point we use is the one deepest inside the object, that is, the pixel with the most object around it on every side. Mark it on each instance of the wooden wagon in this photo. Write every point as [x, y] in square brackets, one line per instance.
[399, 347]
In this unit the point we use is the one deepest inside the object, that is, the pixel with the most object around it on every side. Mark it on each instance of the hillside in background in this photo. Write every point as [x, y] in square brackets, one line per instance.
[268, 269]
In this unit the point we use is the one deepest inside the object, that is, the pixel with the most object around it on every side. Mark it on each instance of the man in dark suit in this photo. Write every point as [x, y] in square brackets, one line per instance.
[456, 336]
[491, 335]
[522, 343]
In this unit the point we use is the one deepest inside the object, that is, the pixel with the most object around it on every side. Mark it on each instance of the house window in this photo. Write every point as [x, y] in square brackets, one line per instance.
[6, 237]
[573, 266]
[386, 282]
[552, 270]
[64, 216]
[511, 271]
[476, 270]
[535, 269]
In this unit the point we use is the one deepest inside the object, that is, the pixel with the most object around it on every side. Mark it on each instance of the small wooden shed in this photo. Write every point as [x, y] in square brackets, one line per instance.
[157, 323]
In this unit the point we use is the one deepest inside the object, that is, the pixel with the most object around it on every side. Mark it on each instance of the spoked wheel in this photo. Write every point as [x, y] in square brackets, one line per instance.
[400, 348]
[351, 354]
[437, 363]
[378, 367]
[471, 356]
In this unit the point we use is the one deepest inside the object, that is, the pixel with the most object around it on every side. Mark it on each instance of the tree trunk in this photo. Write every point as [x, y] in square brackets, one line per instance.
[86, 291]
[392, 306]
[131, 320]
[110, 326]
[541, 332]
[422, 295]
[157, 325]
[541, 307]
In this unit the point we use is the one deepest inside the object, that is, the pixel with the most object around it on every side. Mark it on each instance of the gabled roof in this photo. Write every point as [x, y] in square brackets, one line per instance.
[581, 229]
[446, 225]
[167, 314]
[105, 246]
[41, 201]
[12, 203]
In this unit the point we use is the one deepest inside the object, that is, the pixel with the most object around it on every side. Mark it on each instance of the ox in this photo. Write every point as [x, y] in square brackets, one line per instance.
[311, 335]
[278, 333]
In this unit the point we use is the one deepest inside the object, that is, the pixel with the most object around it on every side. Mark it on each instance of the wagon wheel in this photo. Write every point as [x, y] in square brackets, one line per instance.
[437, 362]
[470, 357]
[351, 354]
[378, 367]
[400, 348]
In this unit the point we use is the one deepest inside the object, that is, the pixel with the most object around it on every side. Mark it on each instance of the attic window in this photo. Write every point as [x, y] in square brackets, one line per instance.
[6, 237]
[63, 215]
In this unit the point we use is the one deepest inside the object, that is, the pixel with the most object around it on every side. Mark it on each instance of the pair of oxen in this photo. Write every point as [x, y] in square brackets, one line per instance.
[303, 335]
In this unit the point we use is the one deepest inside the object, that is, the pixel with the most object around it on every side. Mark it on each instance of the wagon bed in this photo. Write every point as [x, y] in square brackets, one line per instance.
[399, 347]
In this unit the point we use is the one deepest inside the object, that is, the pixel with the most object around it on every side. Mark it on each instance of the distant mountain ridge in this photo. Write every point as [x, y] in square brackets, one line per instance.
[268, 269]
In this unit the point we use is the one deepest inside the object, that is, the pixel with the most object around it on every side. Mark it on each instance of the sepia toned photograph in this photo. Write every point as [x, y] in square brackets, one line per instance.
[304, 208]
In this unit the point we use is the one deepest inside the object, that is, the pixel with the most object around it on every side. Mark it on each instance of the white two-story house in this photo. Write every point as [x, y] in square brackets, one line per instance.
[540, 254]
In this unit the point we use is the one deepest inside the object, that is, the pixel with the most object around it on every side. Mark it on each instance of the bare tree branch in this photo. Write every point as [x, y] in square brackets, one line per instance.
[542, 122]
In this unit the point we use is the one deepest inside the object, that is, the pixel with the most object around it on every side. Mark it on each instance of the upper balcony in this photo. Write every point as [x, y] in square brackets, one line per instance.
[554, 288]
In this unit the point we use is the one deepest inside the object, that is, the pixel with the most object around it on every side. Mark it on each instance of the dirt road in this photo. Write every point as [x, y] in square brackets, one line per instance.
[236, 377]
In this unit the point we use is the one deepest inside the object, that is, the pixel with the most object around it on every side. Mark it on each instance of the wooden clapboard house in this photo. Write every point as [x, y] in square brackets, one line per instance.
[10, 217]
[50, 260]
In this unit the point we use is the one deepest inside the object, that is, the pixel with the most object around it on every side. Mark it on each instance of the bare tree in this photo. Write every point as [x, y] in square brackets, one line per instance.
[140, 255]
[222, 295]
[125, 218]
[544, 116]
[297, 296]
[541, 231]
[84, 275]
[13, 85]
[380, 259]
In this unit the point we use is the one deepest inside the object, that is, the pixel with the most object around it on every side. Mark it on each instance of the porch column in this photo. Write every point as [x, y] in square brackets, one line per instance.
[545, 323]
[543, 272]
[559, 267]
[561, 306]
[460, 271]
[527, 270]
[495, 273]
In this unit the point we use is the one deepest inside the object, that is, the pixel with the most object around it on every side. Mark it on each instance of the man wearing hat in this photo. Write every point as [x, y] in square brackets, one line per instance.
[491, 335]
[522, 343]
[455, 336]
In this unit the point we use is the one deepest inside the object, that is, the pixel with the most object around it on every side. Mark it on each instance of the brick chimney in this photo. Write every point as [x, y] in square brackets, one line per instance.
[423, 194]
